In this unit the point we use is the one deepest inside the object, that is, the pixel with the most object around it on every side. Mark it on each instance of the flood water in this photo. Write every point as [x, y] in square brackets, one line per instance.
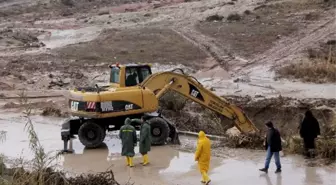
[168, 165]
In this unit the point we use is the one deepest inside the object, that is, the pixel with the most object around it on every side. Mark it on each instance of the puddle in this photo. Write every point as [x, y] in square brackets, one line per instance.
[60, 38]
[168, 165]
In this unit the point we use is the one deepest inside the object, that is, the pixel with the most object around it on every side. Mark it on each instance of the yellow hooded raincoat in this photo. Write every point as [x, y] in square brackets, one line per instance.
[203, 152]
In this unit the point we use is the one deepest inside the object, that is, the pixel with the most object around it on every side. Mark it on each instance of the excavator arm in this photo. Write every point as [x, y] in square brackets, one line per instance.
[189, 87]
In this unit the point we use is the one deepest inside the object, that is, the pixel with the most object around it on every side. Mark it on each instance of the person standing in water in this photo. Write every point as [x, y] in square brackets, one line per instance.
[273, 147]
[128, 137]
[309, 130]
[202, 156]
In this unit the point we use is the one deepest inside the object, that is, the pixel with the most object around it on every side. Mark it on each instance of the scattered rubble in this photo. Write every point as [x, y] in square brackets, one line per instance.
[234, 17]
[53, 111]
[215, 18]
[19, 38]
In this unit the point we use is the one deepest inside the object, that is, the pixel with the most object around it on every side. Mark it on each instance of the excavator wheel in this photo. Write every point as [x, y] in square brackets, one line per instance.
[159, 130]
[91, 135]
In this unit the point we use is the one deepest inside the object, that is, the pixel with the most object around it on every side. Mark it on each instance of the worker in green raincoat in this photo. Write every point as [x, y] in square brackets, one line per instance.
[145, 138]
[128, 137]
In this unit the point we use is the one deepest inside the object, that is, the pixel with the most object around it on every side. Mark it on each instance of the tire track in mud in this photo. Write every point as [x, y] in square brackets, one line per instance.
[206, 44]
[292, 45]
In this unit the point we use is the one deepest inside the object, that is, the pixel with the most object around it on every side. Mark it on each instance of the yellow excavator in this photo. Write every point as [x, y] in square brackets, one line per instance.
[134, 91]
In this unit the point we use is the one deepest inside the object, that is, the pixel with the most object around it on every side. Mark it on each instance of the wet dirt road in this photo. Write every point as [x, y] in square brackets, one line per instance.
[168, 165]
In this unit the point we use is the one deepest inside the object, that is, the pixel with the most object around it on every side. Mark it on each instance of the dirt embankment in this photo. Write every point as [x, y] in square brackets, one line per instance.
[285, 113]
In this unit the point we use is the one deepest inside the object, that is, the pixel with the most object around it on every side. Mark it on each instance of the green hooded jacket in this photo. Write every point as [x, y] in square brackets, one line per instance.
[145, 138]
[128, 137]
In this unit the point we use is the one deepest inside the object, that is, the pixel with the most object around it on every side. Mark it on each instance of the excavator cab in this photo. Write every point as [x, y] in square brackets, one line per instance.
[129, 75]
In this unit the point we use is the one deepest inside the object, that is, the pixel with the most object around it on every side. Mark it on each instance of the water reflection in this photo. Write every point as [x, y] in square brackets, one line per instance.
[312, 177]
[268, 180]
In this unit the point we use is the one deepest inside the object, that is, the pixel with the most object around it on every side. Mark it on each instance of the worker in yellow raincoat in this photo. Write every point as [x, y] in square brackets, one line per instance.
[202, 156]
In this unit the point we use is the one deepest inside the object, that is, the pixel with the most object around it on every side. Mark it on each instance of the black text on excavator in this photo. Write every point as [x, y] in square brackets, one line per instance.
[134, 91]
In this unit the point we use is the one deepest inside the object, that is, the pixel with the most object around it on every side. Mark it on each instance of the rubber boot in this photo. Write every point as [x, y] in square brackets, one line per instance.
[131, 161]
[145, 158]
[205, 177]
[127, 161]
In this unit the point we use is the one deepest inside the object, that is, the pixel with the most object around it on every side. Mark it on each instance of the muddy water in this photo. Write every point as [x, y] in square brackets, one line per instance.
[168, 165]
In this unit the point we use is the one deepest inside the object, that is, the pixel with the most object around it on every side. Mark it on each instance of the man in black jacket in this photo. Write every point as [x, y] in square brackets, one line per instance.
[309, 130]
[273, 146]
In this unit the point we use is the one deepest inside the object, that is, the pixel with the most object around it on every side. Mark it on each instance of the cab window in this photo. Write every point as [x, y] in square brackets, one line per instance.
[145, 72]
[114, 76]
[132, 77]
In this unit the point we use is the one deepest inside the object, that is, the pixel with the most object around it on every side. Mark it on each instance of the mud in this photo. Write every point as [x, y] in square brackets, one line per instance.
[169, 164]
[57, 45]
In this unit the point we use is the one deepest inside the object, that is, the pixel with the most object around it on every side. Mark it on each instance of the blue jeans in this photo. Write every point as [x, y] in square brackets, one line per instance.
[269, 157]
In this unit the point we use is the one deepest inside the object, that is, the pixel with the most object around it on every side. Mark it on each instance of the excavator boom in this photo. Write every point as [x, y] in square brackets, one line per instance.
[190, 88]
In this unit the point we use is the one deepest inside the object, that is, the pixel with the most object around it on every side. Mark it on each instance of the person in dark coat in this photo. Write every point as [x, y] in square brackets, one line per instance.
[145, 138]
[128, 137]
[273, 147]
[309, 130]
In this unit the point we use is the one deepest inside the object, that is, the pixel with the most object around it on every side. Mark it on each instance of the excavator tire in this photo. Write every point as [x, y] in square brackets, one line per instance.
[91, 135]
[159, 130]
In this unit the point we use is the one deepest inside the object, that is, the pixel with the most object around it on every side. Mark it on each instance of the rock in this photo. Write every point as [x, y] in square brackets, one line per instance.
[31, 82]
[103, 12]
[259, 96]
[157, 5]
[234, 17]
[66, 13]
[10, 105]
[147, 15]
[67, 2]
[21, 77]
[244, 79]
[214, 18]
[247, 12]
[81, 17]
[331, 42]
[231, 3]
[34, 45]
[56, 82]
[67, 81]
